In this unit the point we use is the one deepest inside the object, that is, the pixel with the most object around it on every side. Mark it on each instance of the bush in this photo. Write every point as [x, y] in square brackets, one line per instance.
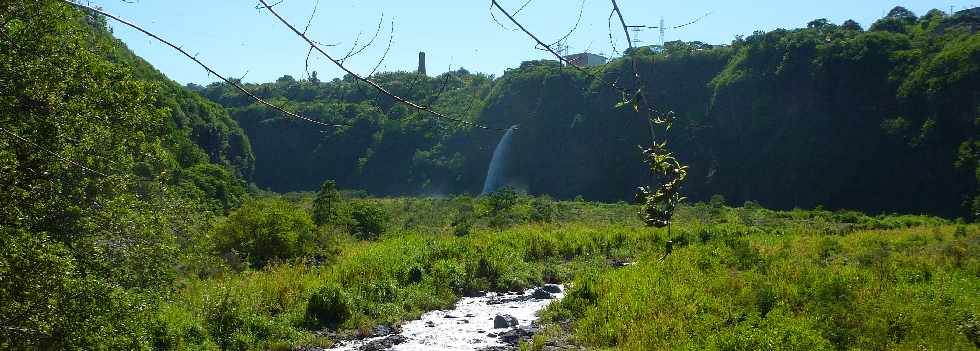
[329, 306]
[369, 220]
[264, 230]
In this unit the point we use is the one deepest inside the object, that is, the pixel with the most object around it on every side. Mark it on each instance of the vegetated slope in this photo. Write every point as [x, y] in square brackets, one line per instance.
[196, 124]
[212, 153]
[832, 115]
[105, 196]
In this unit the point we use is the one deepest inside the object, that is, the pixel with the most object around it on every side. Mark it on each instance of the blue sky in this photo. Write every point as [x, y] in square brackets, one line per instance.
[235, 38]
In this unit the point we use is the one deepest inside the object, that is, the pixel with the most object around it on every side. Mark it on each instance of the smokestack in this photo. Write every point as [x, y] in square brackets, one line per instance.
[422, 62]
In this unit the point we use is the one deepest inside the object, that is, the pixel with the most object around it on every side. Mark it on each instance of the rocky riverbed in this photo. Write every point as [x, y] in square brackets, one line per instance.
[489, 322]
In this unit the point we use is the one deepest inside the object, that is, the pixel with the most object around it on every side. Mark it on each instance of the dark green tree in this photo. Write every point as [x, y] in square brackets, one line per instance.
[328, 206]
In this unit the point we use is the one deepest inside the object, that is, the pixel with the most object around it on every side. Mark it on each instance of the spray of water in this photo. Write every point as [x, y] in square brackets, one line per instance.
[498, 163]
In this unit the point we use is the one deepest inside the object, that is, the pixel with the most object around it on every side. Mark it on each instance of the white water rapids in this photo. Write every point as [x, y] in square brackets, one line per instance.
[468, 326]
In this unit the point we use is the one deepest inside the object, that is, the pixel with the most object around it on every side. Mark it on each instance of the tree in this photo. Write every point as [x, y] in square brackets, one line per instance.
[852, 25]
[819, 23]
[328, 206]
[901, 13]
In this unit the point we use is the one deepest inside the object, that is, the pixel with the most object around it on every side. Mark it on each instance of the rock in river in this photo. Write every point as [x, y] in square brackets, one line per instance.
[504, 321]
[542, 294]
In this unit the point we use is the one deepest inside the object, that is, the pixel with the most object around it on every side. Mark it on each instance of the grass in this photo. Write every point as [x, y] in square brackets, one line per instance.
[739, 278]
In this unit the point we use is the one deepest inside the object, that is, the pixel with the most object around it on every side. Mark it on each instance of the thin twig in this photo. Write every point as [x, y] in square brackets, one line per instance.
[353, 53]
[522, 7]
[391, 36]
[581, 8]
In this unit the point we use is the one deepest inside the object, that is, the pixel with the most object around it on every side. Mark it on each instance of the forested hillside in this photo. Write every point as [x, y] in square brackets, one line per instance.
[884, 119]
[109, 175]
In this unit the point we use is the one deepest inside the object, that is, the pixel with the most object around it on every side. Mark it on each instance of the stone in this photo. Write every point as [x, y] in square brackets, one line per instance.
[504, 321]
[383, 330]
[430, 324]
[514, 336]
[541, 294]
[552, 288]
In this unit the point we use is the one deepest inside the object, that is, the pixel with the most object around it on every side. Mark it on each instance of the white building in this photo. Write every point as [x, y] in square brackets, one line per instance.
[585, 59]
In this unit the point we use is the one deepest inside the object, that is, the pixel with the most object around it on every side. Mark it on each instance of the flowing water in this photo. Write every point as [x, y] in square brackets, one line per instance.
[468, 326]
[495, 173]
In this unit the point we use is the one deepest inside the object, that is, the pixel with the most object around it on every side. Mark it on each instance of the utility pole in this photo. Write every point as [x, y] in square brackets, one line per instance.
[662, 30]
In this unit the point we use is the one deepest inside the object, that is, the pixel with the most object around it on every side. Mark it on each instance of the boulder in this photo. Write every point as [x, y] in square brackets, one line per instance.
[504, 321]
[540, 293]
[514, 336]
[552, 288]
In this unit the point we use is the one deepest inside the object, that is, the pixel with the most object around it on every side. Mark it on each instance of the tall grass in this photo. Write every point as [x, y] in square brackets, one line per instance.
[910, 288]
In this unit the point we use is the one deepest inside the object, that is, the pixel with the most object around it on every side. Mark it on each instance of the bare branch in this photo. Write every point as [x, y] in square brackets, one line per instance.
[369, 82]
[199, 63]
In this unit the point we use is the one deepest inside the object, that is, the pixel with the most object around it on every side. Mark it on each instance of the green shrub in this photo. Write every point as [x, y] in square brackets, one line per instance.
[369, 220]
[329, 306]
[263, 230]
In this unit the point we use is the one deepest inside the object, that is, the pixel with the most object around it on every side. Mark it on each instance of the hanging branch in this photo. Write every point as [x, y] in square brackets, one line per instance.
[612, 43]
[199, 63]
[629, 41]
[370, 82]
[581, 9]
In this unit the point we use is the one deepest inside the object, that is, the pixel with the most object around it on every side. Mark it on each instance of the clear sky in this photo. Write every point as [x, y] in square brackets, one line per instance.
[235, 38]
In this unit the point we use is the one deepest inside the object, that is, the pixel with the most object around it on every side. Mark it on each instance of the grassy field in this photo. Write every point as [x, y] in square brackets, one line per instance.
[738, 278]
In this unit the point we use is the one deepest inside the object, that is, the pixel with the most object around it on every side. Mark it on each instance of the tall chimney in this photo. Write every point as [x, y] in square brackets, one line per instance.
[422, 62]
